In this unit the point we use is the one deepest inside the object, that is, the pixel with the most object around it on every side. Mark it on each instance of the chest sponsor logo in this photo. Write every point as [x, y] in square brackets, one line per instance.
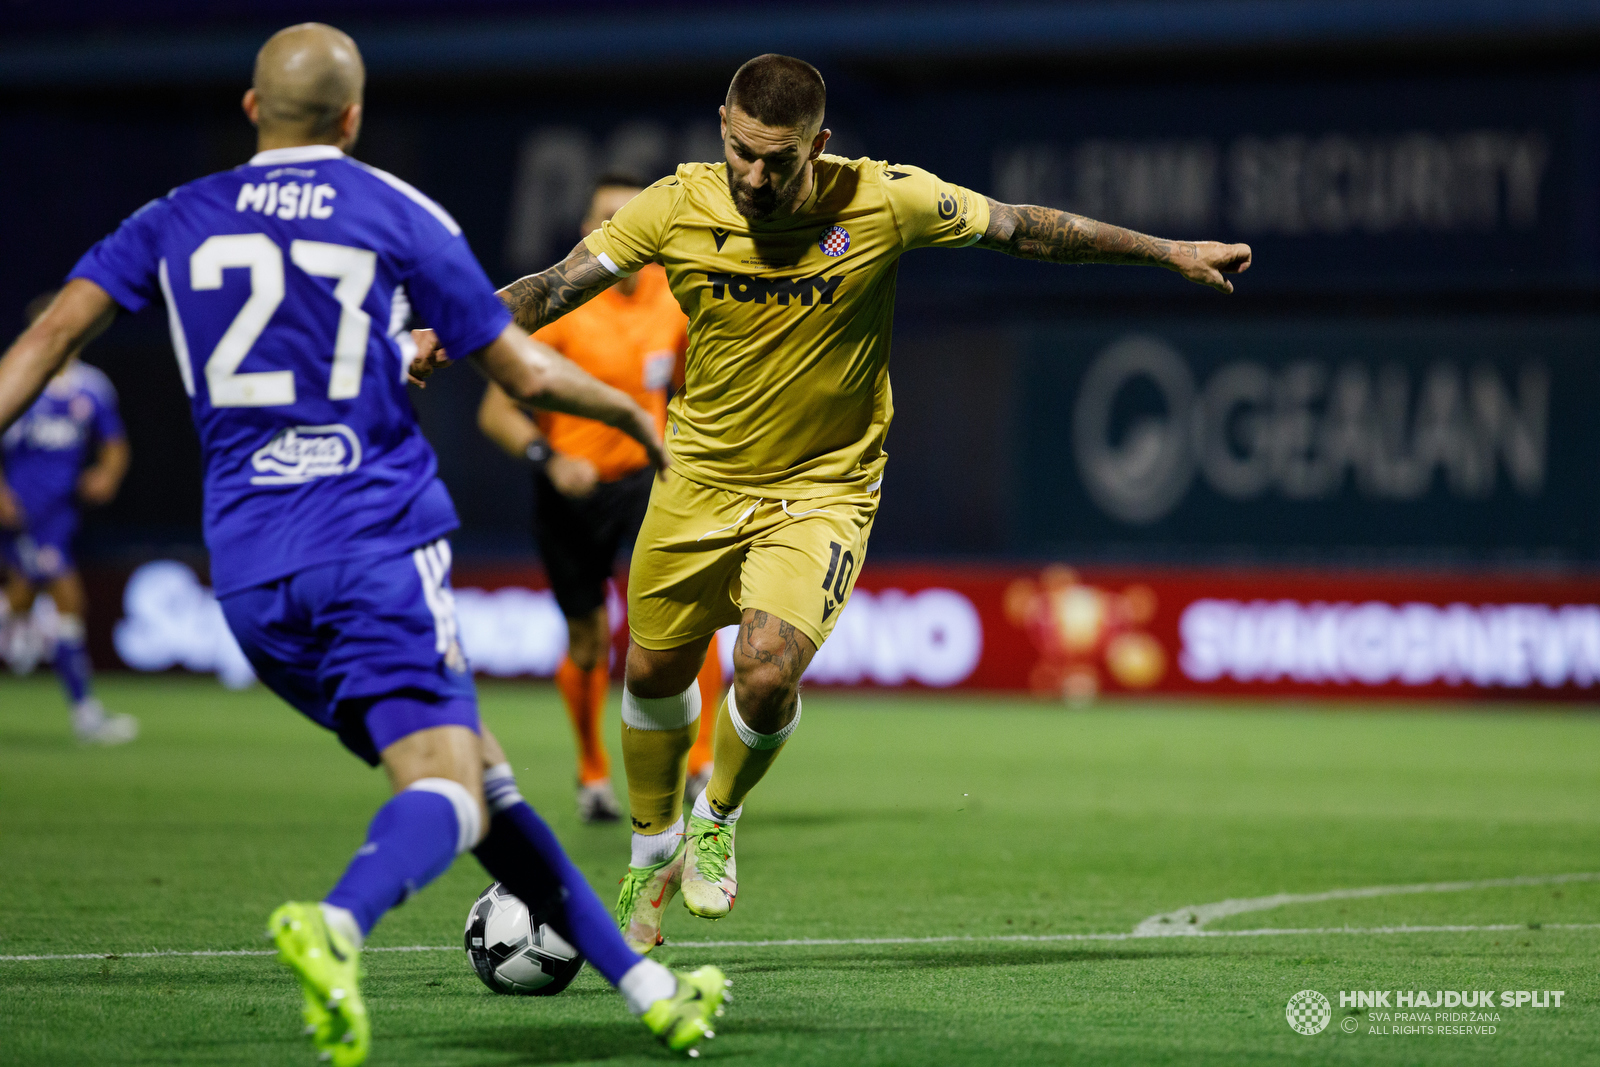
[747, 289]
[300, 454]
[835, 243]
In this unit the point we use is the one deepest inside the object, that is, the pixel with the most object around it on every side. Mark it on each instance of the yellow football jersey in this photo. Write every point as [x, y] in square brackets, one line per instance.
[786, 387]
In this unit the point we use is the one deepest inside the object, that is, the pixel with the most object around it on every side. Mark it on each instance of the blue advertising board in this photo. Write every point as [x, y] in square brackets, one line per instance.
[1422, 184]
[1411, 184]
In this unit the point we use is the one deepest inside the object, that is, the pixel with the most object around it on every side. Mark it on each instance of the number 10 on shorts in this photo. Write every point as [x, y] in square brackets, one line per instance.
[841, 565]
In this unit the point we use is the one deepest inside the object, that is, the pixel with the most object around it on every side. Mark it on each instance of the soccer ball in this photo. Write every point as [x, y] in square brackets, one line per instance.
[513, 954]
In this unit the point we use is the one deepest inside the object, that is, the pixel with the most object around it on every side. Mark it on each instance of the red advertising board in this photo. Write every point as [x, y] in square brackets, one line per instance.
[1074, 633]
[1235, 632]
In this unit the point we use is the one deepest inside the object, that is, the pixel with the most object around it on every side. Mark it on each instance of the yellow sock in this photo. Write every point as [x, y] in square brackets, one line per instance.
[655, 761]
[742, 756]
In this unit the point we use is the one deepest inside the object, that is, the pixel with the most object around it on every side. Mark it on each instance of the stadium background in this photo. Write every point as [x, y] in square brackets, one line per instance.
[1283, 490]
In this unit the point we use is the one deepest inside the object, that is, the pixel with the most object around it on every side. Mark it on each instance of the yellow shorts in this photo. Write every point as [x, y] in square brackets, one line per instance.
[704, 556]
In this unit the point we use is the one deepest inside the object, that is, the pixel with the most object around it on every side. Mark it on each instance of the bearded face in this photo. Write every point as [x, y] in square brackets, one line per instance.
[768, 165]
[767, 202]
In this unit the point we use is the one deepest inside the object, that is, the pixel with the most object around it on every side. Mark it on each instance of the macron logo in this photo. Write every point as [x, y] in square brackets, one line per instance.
[299, 454]
[290, 200]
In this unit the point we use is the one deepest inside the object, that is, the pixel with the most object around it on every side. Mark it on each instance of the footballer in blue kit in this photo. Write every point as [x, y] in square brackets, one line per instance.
[288, 284]
[68, 450]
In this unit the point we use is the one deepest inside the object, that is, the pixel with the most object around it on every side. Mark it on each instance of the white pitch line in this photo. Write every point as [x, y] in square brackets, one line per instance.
[804, 942]
[1191, 920]
[1185, 922]
[815, 942]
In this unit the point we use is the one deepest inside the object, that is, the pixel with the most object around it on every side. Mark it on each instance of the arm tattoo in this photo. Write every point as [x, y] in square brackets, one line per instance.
[539, 299]
[1030, 232]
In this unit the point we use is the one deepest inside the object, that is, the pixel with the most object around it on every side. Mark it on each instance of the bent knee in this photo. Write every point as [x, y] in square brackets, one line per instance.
[450, 754]
[759, 682]
[654, 673]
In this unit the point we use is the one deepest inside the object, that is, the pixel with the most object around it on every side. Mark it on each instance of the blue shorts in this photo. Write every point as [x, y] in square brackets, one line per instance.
[42, 552]
[367, 648]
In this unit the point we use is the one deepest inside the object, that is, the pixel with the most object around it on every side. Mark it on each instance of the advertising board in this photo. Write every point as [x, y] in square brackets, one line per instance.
[1432, 438]
[1051, 630]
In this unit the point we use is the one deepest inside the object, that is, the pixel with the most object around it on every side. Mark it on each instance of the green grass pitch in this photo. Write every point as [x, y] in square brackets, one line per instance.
[888, 818]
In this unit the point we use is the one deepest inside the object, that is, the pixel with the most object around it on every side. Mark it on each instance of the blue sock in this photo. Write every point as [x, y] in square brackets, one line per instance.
[411, 841]
[521, 852]
[72, 660]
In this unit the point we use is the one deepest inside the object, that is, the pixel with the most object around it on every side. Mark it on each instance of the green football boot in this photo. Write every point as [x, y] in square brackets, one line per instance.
[329, 968]
[710, 879]
[683, 1020]
[646, 892]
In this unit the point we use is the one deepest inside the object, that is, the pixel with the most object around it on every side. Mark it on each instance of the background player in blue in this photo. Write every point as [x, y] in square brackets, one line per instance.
[67, 450]
[288, 283]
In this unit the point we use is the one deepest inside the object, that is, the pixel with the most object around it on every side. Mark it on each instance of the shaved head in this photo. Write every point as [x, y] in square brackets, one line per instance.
[306, 78]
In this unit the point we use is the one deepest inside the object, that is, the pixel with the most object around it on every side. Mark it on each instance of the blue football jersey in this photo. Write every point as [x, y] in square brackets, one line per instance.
[288, 283]
[45, 450]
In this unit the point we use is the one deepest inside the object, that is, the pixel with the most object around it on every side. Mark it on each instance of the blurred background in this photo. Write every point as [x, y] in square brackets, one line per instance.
[1373, 467]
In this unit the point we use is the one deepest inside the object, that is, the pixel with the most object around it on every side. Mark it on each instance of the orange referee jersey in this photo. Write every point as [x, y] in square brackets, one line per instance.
[631, 342]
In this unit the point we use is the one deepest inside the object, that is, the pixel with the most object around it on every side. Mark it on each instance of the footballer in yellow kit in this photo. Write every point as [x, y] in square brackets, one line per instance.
[784, 258]
[777, 436]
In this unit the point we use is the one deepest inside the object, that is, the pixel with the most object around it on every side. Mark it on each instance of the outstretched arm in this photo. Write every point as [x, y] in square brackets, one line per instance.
[74, 318]
[535, 301]
[1030, 232]
[536, 376]
[540, 299]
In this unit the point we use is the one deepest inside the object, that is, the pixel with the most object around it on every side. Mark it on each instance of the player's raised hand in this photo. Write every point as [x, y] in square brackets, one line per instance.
[1205, 262]
[429, 358]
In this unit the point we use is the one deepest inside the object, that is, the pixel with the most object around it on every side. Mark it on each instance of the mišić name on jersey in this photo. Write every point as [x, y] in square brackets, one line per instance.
[288, 200]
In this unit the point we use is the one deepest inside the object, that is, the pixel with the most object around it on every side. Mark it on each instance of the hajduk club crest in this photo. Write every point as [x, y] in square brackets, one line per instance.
[836, 242]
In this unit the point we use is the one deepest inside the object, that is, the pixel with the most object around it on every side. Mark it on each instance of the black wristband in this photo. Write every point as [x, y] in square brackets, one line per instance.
[539, 452]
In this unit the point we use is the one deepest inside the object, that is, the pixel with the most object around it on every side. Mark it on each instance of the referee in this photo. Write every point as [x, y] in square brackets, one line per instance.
[592, 482]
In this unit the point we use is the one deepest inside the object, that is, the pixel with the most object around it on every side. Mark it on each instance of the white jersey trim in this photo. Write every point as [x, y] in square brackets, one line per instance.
[416, 195]
[611, 265]
[180, 342]
[304, 153]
